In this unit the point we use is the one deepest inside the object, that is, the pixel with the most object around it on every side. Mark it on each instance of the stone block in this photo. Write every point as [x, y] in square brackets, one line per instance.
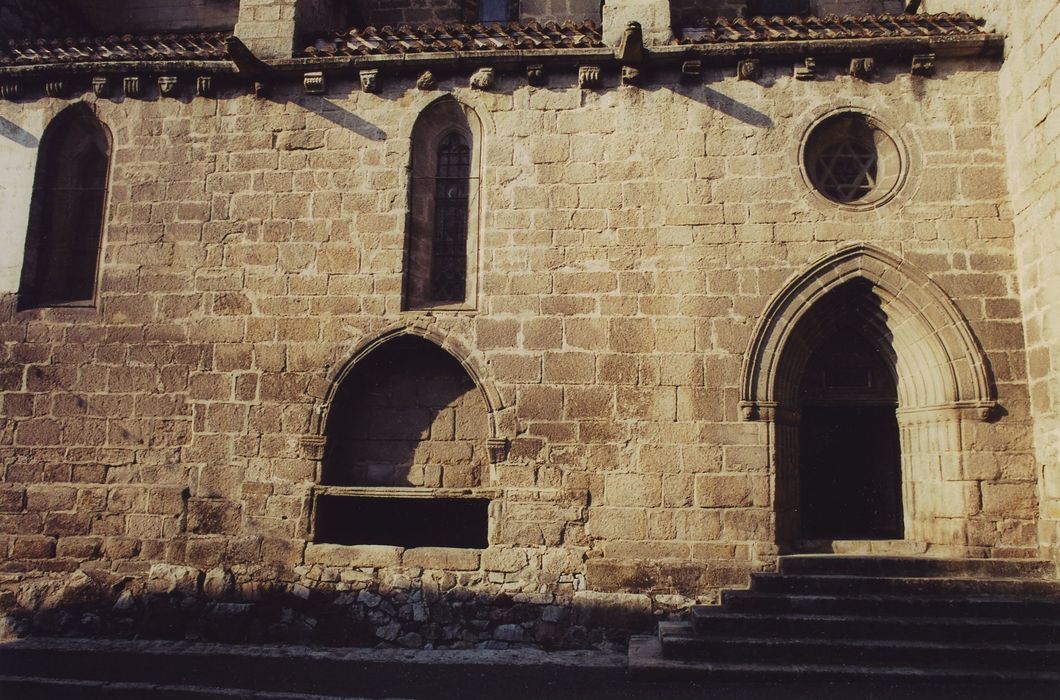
[618, 523]
[569, 367]
[504, 560]
[167, 578]
[205, 552]
[633, 490]
[32, 547]
[1010, 500]
[353, 556]
[631, 335]
[208, 516]
[730, 491]
[75, 547]
[443, 558]
[12, 498]
[595, 609]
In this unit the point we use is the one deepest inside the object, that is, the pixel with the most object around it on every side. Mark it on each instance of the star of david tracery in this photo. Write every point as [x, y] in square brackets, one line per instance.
[846, 170]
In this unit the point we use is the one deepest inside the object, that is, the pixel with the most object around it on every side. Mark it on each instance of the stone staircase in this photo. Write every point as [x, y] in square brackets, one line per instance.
[845, 618]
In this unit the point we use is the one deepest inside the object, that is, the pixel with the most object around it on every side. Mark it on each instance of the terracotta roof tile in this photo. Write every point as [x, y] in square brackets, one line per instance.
[724, 30]
[457, 37]
[158, 47]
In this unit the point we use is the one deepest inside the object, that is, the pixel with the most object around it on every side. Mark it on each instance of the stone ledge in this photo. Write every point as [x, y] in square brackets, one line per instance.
[688, 578]
[451, 559]
[353, 556]
[592, 608]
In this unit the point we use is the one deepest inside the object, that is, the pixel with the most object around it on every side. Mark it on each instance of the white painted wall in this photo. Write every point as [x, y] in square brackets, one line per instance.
[21, 126]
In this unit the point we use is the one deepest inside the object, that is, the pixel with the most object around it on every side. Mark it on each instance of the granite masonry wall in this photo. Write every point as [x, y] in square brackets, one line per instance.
[1031, 105]
[162, 450]
[1031, 101]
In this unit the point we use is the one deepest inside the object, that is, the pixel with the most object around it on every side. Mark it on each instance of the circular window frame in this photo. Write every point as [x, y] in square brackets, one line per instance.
[896, 182]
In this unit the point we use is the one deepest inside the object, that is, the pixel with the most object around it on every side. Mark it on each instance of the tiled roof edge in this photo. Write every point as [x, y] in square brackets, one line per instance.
[456, 36]
[779, 28]
[198, 46]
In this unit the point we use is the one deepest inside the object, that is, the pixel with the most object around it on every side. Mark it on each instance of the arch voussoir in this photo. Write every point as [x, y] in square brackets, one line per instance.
[939, 357]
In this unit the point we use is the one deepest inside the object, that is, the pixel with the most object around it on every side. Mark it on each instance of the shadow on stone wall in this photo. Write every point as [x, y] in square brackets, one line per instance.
[182, 603]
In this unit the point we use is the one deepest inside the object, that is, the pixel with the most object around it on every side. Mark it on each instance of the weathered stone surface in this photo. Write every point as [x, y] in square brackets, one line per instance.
[612, 609]
[363, 555]
[504, 560]
[442, 558]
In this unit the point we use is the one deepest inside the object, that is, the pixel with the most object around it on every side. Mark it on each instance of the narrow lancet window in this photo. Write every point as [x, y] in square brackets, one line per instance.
[442, 243]
[449, 263]
[66, 218]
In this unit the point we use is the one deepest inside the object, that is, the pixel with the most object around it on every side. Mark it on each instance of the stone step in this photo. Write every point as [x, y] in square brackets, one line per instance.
[680, 641]
[814, 583]
[893, 604]
[106, 664]
[857, 565]
[647, 663]
[715, 622]
[37, 688]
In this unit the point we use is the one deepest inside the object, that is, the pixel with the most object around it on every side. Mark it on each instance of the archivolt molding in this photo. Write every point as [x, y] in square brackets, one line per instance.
[422, 328]
[940, 364]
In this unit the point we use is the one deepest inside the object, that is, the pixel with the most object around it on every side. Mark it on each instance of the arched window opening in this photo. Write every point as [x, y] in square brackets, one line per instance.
[405, 450]
[449, 263]
[442, 242]
[66, 215]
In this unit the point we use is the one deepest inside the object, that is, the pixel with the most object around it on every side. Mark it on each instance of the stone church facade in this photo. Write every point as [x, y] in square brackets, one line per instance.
[465, 322]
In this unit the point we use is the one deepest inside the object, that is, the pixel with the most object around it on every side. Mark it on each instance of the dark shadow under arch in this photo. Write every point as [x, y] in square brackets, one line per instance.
[407, 413]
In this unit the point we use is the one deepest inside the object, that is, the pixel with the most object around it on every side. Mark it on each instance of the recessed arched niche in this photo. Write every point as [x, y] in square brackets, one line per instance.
[406, 451]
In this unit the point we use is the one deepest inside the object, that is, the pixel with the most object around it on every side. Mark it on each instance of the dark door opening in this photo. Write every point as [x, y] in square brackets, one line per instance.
[850, 473]
[845, 428]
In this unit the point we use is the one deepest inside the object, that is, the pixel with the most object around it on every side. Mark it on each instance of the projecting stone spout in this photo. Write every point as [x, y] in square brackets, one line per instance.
[652, 18]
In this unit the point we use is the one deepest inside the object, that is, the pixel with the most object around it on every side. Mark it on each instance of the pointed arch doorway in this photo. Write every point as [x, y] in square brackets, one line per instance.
[864, 371]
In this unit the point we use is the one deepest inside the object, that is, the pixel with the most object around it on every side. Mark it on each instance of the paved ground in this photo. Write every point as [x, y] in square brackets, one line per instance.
[106, 669]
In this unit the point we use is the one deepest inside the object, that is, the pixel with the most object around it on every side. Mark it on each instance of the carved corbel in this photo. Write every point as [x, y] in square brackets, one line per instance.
[497, 449]
[692, 71]
[313, 447]
[167, 85]
[426, 80]
[101, 86]
[631, 75]
[55, 87]
[748, 69]
[261, 89]
[483, 79]
[370, 80]
[314, 83]
[807, 70]
[589, 77]
[204, 86]
[862, 68]
[535, 74]
[923, 64]
[131, 85]
[11, 90]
